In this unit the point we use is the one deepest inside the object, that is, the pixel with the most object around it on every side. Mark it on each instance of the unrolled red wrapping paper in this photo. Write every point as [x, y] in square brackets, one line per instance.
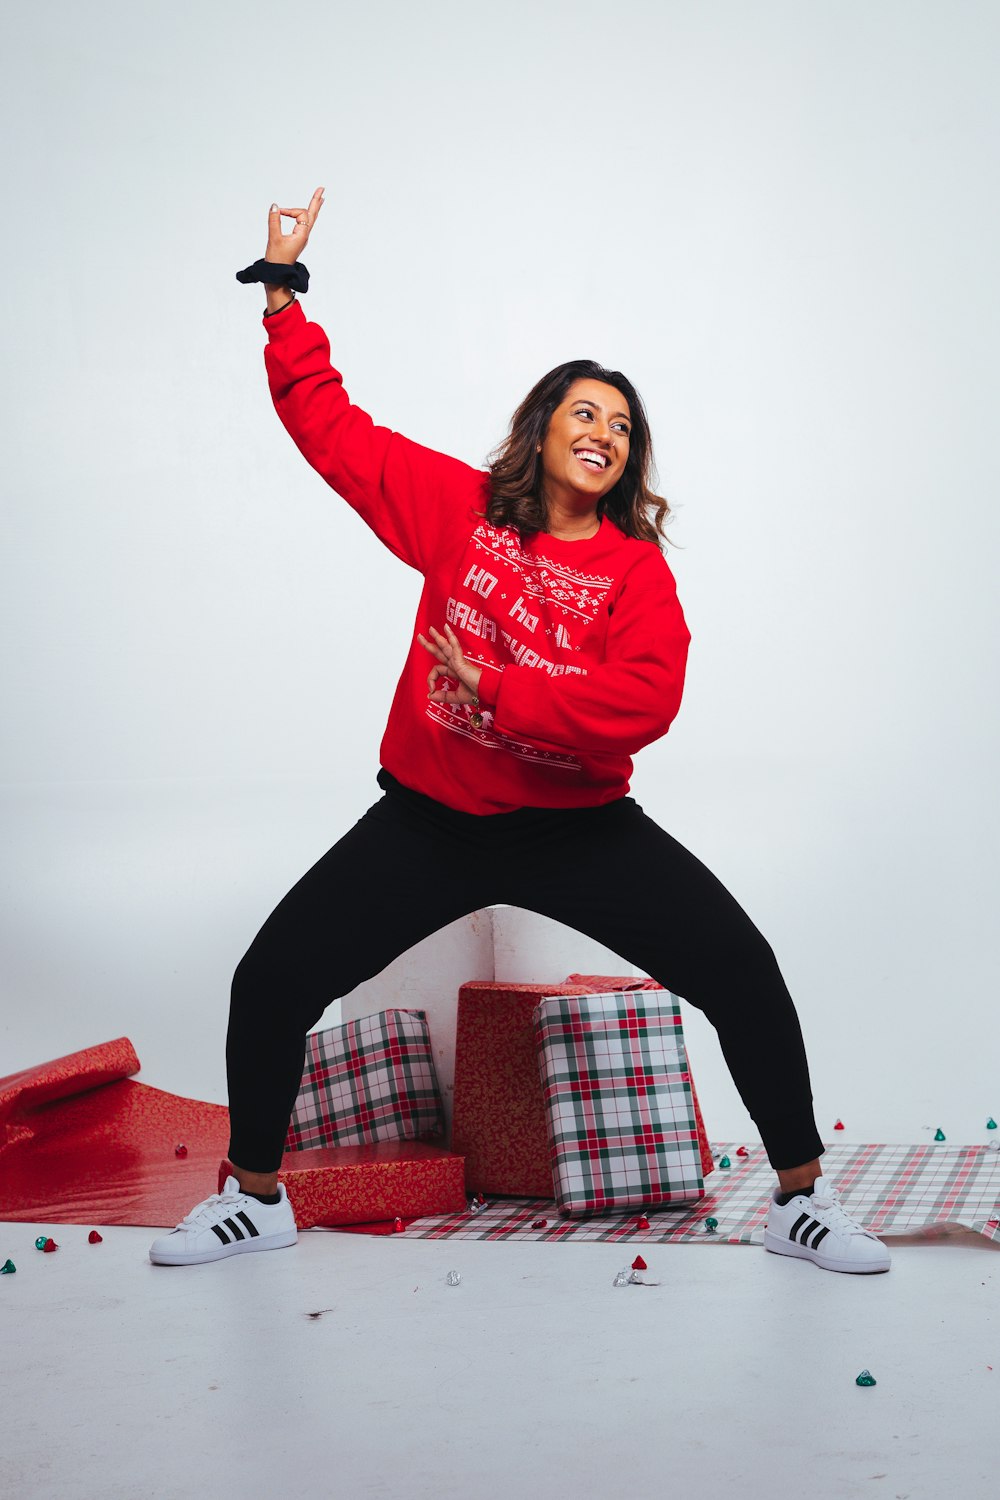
[23, 1095]
[81, 1143]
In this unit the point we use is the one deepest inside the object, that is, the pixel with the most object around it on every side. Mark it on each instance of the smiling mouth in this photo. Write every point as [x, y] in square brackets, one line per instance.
[595, 462]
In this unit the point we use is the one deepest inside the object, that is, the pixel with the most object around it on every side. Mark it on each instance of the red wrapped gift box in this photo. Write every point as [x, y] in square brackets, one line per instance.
[498, 1119]
[499, 1111]
[330, 1185]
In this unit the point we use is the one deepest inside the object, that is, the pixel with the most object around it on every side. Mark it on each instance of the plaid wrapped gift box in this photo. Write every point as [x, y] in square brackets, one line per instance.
[606, 984]
[370, 1080]
[619, 1109]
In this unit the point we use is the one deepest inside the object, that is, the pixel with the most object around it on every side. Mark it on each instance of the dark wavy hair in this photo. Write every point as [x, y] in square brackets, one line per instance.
[515, 465]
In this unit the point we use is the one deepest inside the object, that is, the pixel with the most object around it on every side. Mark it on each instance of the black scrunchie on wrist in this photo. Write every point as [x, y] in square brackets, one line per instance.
[276, 274]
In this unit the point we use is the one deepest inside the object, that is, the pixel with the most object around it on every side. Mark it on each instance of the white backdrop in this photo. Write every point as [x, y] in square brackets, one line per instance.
[779, 219]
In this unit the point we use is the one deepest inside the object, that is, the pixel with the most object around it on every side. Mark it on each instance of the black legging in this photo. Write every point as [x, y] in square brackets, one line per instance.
[411, 865]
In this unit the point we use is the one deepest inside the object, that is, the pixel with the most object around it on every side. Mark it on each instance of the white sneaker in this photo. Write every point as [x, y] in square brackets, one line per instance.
[816, 1227]
[227, 1223]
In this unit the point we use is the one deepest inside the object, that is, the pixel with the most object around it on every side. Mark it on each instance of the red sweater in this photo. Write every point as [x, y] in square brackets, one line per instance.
[583, 644]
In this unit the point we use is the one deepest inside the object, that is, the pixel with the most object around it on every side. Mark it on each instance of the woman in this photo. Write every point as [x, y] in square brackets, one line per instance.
[550, 648]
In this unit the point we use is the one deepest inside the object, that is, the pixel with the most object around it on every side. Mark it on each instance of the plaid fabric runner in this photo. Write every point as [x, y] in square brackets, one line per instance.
[892, 1190]
[618, 1101]
[370, 1080]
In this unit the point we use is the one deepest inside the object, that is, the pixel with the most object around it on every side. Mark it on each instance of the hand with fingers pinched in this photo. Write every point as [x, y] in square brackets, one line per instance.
[451, 667]
[285, 249]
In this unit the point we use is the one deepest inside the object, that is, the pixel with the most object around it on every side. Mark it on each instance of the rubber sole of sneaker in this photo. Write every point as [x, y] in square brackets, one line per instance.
[779, 1246]
[262, 1242]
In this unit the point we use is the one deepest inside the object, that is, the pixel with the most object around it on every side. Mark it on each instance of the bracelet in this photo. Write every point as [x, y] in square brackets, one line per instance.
[294, 276]
[281, 308]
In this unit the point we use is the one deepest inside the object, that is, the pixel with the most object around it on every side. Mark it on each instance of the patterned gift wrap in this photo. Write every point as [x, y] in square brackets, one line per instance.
[605, 984]
[915, 1194]
[622, 1128]
[338, 1185]
[370, 1080]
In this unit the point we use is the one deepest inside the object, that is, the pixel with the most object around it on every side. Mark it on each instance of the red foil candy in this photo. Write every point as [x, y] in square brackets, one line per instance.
[94, 1238]
[398, 1226]
[742, 1151]
[839, 1125]
[49, 1246]
[540, 1224]
[642, 1222]
[180, 1151]
[639, 1264]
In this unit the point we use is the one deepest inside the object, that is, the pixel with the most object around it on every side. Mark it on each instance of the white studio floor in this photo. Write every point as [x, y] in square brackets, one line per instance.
[535, 1376]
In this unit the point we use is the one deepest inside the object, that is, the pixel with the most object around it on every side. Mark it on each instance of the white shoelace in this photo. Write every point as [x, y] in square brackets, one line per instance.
[202, 1211]
[830, 1201]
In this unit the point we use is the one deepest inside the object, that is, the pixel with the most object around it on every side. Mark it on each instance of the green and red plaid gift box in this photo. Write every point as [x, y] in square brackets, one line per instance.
[369, 1080]
[618, 1098]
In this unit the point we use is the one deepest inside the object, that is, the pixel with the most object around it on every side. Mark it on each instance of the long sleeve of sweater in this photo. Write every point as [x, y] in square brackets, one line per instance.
[411, 496]
[629, 699]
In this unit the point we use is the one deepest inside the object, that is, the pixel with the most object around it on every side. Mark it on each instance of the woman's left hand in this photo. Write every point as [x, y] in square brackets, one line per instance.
[451, 665]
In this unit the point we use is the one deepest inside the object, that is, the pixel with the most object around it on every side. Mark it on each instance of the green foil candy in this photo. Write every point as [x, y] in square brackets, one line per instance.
[939, 1134]
[711, 1225]
[991, 1124]
[8, 1268]
[40, 1242]
[865, 1378]
[725, 1162]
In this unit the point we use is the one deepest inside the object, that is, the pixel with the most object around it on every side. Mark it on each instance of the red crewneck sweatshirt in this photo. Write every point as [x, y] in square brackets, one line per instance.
[583, 644]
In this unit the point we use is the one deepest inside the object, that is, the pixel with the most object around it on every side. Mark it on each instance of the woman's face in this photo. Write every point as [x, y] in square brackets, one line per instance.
[586, 447]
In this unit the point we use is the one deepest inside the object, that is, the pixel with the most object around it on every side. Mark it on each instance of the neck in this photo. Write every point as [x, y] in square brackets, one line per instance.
[572, 526]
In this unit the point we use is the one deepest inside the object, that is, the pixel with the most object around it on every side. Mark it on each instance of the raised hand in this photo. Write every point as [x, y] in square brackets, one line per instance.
[452, 666]
[285, 249]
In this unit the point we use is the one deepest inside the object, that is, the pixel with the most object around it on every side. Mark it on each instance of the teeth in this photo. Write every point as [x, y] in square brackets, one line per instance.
[591, 458]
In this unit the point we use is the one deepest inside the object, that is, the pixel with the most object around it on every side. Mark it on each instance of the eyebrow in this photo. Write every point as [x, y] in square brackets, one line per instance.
[586, 401]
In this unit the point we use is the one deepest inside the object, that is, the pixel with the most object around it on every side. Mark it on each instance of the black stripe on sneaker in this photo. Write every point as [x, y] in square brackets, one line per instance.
[223, 1236]
[793, 1233]
[237, 1231]
[254, 1232]
[819, 1238]
[810, 1228]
